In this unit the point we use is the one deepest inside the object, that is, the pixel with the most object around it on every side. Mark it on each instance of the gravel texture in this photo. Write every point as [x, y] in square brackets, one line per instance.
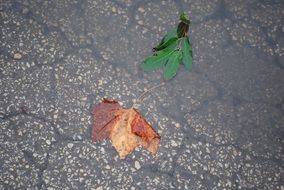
[221, 124]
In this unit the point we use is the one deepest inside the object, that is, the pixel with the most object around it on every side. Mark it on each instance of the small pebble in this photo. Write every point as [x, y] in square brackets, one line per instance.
[137, 165]
[17, 56]
[173, 143]
[177, 125]
[69, 145]
[25, 11]
[141, 10]
[48, 142]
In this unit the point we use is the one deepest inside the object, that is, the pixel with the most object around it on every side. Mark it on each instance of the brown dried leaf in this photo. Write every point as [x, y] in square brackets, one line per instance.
[126, 128]
[104, 115]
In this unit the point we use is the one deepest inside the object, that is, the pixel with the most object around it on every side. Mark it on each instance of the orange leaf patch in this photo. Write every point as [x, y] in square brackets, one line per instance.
[126, 128]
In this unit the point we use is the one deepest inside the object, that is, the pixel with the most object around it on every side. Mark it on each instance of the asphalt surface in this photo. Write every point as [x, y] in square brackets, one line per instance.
[221, 125]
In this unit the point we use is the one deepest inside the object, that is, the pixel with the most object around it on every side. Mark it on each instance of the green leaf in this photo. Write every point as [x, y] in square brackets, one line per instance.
[187, 53]
[172, 65]
[172, 49]
[184, 18]
[172, 46]
[168, 36]
[166, 44]
[156, 61]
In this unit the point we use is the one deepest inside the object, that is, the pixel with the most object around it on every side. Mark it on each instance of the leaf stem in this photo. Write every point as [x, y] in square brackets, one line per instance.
[141, 97]
[179, 42]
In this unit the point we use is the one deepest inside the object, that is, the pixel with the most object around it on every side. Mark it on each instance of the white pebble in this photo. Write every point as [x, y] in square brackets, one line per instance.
[17, 56]
[137, 165]
[69, 145]
[140, 9]
[48, 142]
[173, 143]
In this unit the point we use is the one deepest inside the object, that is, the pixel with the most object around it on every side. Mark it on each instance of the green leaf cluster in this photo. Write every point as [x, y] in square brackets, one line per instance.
[174, 49]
